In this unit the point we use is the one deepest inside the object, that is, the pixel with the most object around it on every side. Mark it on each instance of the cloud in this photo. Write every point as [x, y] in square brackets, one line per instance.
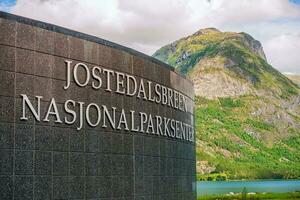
[147, 25]
[283, 52]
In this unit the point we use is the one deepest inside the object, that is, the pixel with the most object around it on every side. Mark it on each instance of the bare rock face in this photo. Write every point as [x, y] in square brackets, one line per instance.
[203, 167]
[212, 79]
[254, 45]
[219, 85]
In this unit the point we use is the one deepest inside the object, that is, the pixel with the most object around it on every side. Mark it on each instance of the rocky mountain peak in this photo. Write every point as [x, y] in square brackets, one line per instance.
[207, 31]
[225, 64]
[254, 45]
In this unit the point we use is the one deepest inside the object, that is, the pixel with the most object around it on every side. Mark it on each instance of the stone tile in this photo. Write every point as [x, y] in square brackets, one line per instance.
[149, 71]
[148, 185]
[59, 93]
[130, 103]
[7, 57]
[148, 165]
[6, 187]
[117, 143]
[156, 186]
[43, 64]
[105, 56]
[8, 32]
[77, 141]
[104, 164]
[6, 109]
[76, 187]
[60, 163]
[23, 188]
[139, 198]
[6, 135]
[24, 162]
[148, 146]
[24, 136]
[43, 163]
[128, 165]
[121, 61]
[163, 166]
[60, 139]
[169, 148]
[117, 186]
[44, 40]
[117, 165]
[117, 101]
[76, 48]
[43, 87]
[139, 166]
[170, 166]
[6, 162]
[92, 187]
[25, 85]
[26, 36]
[91, 164]
[128, 144]
[138, 66]
[128, 186]
[61, 47]
[166, 74]
[60, 187]
[7, 87]
[156, 166]
[163, 185]
[176, 167]
[105, 186]
[91, 52]
[105, 142]
[25, 61]
[91, 141]
[77, 164]
[138, 145]
[59, 70]
[43, 138]
[77, 93]
[129, 198]
[43, 188]
[139, 186]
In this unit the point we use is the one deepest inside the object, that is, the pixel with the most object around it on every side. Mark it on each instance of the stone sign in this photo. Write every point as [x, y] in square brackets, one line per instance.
[85, 118]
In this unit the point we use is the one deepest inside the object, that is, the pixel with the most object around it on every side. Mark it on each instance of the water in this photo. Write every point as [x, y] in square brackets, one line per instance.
[225, 187]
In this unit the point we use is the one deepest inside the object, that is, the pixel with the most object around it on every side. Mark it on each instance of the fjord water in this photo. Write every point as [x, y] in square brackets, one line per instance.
[259, 186]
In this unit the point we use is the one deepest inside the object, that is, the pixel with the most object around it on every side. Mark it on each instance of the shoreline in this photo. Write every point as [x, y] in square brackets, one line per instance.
[257, 196]
[248, 180]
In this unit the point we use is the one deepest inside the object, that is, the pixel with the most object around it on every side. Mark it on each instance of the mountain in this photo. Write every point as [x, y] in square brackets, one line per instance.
[247, 113]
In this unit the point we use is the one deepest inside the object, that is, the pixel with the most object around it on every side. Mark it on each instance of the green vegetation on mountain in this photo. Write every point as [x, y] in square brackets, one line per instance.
[247, 113]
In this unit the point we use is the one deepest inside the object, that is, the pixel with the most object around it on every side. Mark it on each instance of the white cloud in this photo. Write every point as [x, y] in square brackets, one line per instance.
[283, 52]
[147, 25]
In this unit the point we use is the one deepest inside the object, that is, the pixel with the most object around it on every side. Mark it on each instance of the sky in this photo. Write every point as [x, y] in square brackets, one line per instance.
[147, 25]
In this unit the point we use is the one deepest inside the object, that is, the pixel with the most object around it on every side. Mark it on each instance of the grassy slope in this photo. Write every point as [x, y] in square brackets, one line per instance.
[221, 125]
[236, 143]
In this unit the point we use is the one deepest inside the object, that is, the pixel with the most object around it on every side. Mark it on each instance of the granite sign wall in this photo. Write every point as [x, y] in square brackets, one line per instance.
[85, 118]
